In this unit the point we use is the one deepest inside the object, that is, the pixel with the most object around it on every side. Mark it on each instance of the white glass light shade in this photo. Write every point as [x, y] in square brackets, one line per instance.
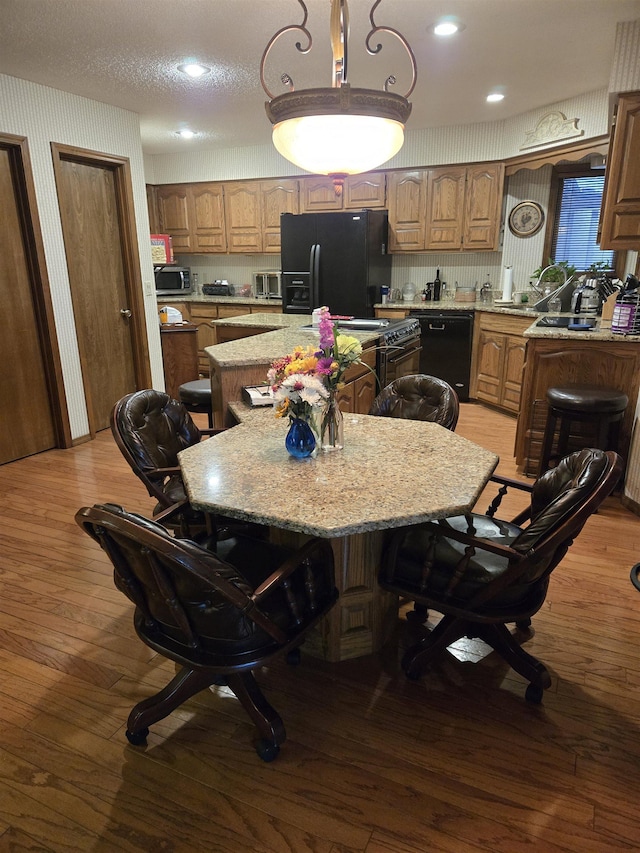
[338, 131]
[338, 144]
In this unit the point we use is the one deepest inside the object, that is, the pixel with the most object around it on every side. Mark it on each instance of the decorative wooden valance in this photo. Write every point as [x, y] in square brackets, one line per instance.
[559, 154]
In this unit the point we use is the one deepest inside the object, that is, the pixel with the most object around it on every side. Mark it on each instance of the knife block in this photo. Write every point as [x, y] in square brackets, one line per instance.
[607, 311]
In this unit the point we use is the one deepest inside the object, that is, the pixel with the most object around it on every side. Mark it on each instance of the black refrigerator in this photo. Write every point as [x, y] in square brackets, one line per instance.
[334, 259]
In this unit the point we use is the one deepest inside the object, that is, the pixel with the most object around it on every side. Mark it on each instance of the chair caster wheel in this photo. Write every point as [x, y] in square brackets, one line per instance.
[523, 624]
[267, 750]
[293, 657]
[534, 694]
[137, 738]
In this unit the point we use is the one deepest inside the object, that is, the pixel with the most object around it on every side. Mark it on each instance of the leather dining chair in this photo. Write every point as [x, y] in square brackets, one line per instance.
[482, 573]
[418, 397]
[150, 428]
[218, 616]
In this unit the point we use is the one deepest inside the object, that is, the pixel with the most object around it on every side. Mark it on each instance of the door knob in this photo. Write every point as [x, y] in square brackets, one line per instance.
[125, 312]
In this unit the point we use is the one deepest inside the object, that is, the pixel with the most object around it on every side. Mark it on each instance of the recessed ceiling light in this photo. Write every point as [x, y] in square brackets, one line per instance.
[193, 69]
[446, 28]
[494, 97]
[185, 133]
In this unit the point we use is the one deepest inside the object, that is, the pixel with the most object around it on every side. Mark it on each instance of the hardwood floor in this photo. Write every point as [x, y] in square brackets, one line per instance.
[455, 763]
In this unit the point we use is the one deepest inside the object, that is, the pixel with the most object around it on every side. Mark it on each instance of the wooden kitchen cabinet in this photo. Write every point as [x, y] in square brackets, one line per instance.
[179, 356]
[202, 314]
[407, 196]
[243, 216]
[152, 208]
[555, 362]
[498, 359]
[173, 215]
[277, 197]
[445, 208]
[360, 385]
[207, 217]
[620, 213]
[359, 191]
[193, 215]
[464, 207]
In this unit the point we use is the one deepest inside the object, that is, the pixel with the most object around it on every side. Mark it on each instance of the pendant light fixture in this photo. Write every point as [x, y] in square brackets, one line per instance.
[338, 131]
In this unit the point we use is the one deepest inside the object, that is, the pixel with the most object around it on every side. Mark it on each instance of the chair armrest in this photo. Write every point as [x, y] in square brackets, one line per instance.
[164, 472]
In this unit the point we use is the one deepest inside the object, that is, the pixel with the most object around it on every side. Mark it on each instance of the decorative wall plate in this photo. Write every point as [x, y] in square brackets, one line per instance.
[526, 219]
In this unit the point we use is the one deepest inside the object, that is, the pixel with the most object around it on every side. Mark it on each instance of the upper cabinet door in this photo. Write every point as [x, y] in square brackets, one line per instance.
[483, 207]
[318, 193]
[173, 215]
[445, 208]
[243, 216]
[207, 219]
[365, 191]
[620, 215]
[407, 195]
[277, 197]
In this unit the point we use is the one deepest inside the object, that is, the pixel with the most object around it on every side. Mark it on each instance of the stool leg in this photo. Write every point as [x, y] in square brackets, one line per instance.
[547, 442]
[563, 437]
[210, 418]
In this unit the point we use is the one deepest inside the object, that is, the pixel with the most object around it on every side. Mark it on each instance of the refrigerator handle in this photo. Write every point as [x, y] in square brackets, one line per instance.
[315, 277]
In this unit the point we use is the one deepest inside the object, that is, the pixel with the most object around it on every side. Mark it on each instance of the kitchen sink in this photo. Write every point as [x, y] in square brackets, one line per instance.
[565, 322]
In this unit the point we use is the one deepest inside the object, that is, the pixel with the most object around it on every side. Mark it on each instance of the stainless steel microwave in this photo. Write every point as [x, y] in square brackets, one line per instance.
[172, 280]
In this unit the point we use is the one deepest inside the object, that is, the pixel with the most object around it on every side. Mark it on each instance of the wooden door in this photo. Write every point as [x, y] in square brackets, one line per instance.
[367, 190]
[620, 216]
[483, 207]
[277, 197]
[407, 195]
[27, 423]
[173, 215]
[92, 213]
[445, 208]
[206, 218]
[242, 211]
[318, 193]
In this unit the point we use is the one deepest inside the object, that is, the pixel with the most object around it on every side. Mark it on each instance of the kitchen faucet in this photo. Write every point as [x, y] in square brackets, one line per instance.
[537, 287]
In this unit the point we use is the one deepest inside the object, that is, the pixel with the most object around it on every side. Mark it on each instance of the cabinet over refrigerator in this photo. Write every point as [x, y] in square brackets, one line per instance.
[334, 259]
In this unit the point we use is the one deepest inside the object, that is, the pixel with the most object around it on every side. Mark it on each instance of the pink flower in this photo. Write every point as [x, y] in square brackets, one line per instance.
[325, 328]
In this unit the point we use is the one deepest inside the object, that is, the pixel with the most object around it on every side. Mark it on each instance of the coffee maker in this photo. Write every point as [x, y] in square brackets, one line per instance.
[586, 300]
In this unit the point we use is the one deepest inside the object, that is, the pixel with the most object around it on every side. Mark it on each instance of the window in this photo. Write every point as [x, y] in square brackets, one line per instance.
[574, 231]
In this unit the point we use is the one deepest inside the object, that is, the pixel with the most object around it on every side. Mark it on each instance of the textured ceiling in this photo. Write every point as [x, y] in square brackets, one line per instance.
[124, 52]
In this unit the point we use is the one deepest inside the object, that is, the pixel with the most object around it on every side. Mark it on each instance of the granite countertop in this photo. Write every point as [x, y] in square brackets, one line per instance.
[267, 320]
[425, 472]
[446, 305]
[265, 348]
[225, 300]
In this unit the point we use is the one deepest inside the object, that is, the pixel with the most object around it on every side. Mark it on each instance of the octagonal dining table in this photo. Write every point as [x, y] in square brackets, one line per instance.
[391, 473]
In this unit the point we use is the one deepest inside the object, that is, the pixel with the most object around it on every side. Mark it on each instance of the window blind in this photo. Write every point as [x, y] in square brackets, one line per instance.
[576, 234]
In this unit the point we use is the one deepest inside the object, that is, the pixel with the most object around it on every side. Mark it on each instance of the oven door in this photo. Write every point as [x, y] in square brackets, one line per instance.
[397, 361]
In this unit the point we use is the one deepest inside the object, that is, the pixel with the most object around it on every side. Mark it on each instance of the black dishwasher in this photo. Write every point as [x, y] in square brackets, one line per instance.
[445, 337]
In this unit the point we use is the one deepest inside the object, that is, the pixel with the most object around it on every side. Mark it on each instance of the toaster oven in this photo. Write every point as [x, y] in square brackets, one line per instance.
[267, 285]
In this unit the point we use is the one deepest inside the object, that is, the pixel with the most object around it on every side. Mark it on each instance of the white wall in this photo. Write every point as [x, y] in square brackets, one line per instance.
[45, 115]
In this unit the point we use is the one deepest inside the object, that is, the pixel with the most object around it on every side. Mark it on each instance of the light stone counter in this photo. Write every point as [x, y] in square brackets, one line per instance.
[265, 348]
[424, 472]
[391, 472]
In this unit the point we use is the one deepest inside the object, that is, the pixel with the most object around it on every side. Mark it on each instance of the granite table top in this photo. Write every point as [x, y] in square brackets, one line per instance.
[392, 472]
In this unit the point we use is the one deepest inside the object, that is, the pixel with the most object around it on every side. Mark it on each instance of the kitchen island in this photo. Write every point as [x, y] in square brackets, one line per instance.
[246, 360]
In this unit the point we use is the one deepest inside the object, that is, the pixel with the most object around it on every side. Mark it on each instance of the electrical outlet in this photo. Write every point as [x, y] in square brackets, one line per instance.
[148, 288]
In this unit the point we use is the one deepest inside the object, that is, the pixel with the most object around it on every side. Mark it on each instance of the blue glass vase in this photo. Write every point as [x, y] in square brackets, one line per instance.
[300, 441]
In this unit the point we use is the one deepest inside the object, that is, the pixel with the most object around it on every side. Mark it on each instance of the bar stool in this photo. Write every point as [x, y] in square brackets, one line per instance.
[603, 408]
[196, 396]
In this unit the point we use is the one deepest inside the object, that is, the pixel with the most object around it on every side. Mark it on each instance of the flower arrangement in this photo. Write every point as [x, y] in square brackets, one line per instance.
[296, 385]
[309, 378]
